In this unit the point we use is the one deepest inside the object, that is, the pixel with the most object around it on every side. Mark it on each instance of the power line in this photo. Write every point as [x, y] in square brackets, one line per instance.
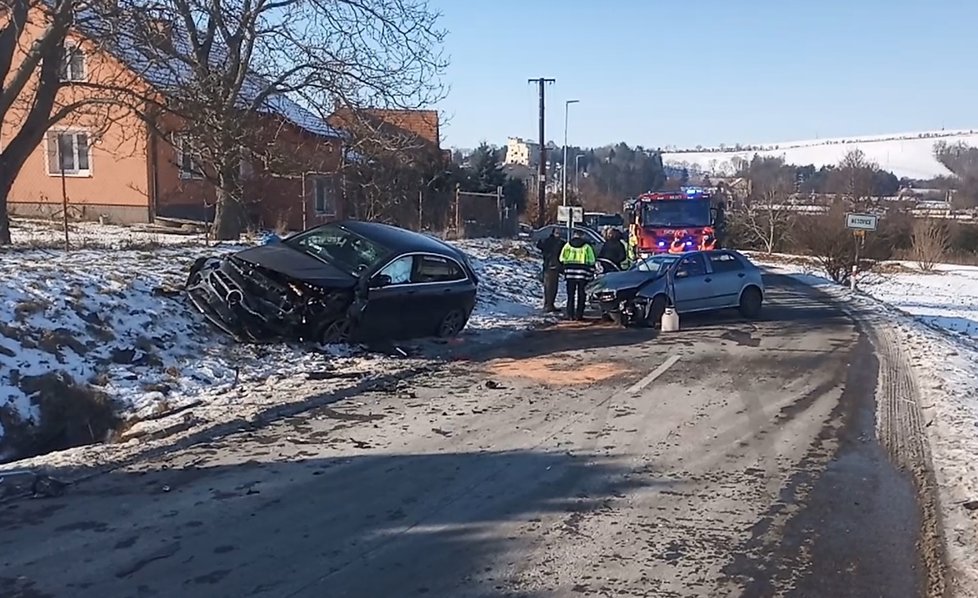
[542, 171]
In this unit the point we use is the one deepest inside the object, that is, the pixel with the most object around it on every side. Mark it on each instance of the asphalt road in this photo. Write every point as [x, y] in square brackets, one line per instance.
[731, 459]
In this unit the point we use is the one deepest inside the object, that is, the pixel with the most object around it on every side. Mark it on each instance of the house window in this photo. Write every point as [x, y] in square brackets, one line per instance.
[73, 64]
[187, 163]
[323, 195]
[69, 153]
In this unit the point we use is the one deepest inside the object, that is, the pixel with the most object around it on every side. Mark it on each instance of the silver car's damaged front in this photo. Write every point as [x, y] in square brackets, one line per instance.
[252, 303]
[624, 308]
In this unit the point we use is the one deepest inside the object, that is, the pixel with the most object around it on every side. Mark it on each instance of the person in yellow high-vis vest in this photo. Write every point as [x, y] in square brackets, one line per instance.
[577, 260]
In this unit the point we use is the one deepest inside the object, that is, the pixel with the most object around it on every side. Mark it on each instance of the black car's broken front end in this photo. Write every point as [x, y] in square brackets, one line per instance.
[254, 302]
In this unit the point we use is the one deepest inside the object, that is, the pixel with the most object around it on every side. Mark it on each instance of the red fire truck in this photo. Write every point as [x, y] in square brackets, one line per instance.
[672, 222]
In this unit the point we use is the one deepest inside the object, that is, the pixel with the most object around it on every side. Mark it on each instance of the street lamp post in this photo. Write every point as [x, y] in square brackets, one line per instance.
[564, 170]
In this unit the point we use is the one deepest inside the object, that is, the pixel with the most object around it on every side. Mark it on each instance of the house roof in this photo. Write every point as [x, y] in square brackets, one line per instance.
[165, 74]
[419, 123]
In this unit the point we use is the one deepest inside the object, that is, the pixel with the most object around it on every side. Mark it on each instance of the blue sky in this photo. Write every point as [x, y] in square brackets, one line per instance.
[689, 72]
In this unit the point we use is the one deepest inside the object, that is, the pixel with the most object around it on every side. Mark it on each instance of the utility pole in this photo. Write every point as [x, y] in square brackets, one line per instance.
[563, 172]
[542, 171]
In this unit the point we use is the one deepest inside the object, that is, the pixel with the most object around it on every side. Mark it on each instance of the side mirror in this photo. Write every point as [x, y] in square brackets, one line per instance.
[379, 281]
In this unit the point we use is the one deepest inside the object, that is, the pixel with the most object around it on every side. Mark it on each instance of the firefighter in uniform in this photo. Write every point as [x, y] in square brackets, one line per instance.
[577, 260]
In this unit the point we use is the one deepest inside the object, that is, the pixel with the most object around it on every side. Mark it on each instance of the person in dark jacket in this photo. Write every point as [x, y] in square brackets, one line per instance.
[614, 249]
[578, 261]
[550, 248]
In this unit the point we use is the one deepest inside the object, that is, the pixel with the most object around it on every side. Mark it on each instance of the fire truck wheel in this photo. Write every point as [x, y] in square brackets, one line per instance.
[656, 310]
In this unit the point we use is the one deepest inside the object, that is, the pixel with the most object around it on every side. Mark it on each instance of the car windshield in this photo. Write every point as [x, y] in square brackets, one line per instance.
[656, 264]
[340, 247]
[676, 213]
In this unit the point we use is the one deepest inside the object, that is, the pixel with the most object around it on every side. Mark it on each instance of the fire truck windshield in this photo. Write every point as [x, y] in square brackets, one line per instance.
[674, 213]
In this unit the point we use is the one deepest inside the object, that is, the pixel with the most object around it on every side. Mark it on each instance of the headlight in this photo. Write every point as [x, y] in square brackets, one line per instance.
[605, 295]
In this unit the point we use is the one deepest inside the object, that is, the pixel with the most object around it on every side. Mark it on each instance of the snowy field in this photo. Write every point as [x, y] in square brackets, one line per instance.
[935, 316]
[906, 155]
[108, 323]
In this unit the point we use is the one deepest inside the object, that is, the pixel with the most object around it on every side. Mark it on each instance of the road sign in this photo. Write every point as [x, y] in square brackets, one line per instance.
[862, 221]
[570, 215]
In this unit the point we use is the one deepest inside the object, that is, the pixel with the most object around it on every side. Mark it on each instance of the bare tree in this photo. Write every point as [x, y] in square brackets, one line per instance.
[767, 215]
[930, 241]
[826, 238]
[962, 161]
[42, 68]
[227, 77]
[853, 178]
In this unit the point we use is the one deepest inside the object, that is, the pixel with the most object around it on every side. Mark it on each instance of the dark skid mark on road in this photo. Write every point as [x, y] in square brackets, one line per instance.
[742, 338]
[857, 531]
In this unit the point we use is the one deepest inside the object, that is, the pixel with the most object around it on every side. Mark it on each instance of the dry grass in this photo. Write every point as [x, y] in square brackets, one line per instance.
[71, 414]
[29, 307]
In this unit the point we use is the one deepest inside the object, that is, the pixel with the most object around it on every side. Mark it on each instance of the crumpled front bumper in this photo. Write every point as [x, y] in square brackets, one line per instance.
[241, 300]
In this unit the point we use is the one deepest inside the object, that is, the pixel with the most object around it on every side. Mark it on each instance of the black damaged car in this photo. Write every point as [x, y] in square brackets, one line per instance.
[338, 282]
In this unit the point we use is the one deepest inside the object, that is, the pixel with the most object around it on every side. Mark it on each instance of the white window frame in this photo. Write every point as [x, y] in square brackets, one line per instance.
[55, 135]
[323, 187]
[195, 173]
[67, 74]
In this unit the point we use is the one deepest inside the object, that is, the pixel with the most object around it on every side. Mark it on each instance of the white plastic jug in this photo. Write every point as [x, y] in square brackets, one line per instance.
[670, 320]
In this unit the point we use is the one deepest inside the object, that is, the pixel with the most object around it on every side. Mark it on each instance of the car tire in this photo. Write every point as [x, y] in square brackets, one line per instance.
[335, 332]
[659, 304]
[451, 324]
[750, 302]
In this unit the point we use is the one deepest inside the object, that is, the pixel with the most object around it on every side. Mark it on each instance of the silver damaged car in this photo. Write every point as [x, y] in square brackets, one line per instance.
[696, 281]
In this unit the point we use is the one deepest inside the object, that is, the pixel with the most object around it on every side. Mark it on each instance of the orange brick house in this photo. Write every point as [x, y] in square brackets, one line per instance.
[418, 128]
[110, 164]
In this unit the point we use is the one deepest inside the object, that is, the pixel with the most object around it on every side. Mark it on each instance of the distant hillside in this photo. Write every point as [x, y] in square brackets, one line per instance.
[905, 155]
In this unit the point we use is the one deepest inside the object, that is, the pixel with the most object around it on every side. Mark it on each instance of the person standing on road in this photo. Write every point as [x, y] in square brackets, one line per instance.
[578, 261]
[613, 249]
[550, 247]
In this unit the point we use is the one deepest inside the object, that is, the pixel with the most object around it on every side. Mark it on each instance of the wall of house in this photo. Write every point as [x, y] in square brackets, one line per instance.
[290, 202]
[116, 185]
[273, 200]
[176, 197]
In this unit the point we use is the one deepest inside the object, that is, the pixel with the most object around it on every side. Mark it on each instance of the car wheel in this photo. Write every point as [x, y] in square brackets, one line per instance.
[750, 302]
[658, 308]
[453, 323]
[335, 332]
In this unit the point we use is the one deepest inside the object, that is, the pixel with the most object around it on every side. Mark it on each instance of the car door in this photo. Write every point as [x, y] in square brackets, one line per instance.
[443, 287]
[691, 286]
[728, 274]
[393, 302]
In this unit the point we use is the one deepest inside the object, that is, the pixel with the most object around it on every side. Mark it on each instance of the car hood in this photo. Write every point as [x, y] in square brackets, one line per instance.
[297, 265]
[623, 281]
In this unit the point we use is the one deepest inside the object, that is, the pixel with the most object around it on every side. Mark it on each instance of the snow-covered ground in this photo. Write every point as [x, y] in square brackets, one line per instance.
[906, 154]
[108, 323]
[936, 317]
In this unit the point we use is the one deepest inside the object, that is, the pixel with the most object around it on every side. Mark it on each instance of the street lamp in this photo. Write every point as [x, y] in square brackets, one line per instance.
[564, 170]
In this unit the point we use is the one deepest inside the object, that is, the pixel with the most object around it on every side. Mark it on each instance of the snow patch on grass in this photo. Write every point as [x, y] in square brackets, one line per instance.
[115, 323]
